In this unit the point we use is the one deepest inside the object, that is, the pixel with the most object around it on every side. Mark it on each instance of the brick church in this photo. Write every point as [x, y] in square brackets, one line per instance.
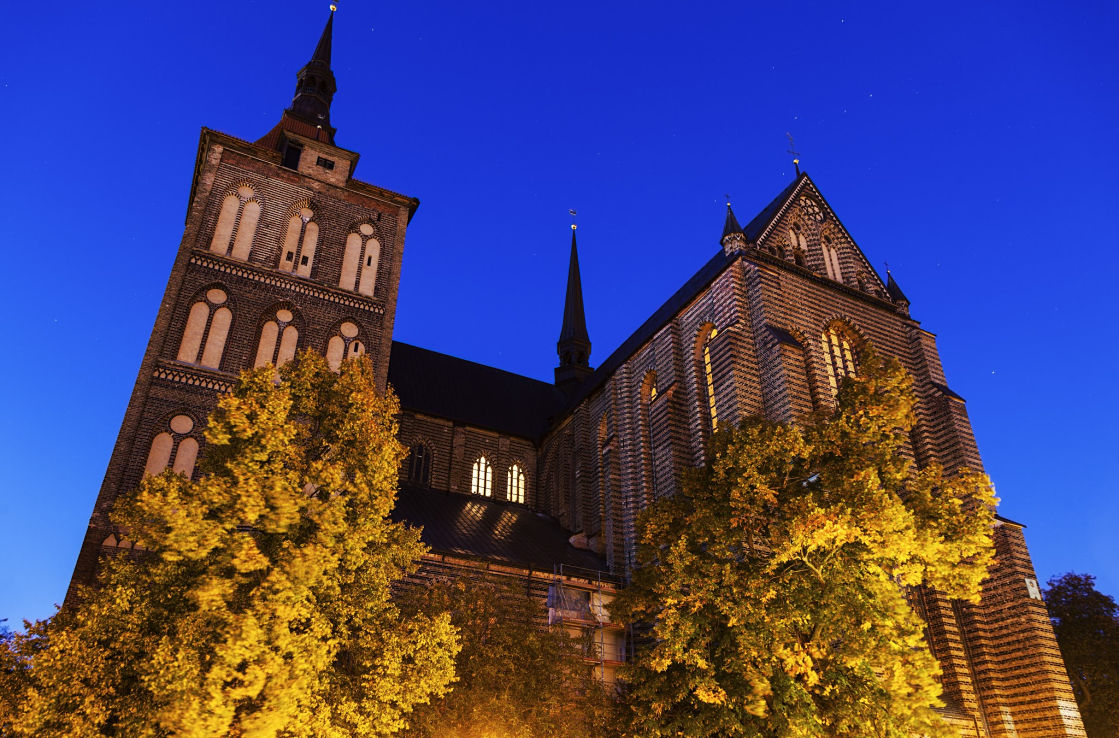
[284, 250]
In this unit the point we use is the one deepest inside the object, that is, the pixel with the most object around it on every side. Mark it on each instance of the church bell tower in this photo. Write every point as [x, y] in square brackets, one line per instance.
[283, 250]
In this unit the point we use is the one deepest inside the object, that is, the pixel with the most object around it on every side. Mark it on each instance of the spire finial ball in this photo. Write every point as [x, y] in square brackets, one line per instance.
[333, 7]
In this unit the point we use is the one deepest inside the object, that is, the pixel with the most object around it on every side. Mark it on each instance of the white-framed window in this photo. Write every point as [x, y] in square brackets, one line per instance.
[515, 484]
[481, 478]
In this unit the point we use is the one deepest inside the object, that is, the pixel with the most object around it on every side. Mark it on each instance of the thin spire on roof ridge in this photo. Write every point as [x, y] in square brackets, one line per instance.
[574, 345]
[733, 236]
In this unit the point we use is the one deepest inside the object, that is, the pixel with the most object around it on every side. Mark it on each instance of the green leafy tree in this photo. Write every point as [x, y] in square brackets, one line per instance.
[1086, 623]
[259, 602]
[515, 675]
[775, 584]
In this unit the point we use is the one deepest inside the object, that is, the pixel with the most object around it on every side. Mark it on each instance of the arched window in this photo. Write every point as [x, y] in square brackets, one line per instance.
[839, 355]
[705, 337]
[278, 340]
[240, 212]
[173, 443]
[206, 330]
[298, 253]
[481, 478]
[418, 465]
[648, 394]
[831, 259]
[515, 484]
[345, 345]
[799, 244]
[360, 261]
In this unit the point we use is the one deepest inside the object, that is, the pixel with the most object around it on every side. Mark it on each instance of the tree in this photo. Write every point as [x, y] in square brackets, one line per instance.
[774, 585]
[1086, 623]
[515, 675]
[258, 603]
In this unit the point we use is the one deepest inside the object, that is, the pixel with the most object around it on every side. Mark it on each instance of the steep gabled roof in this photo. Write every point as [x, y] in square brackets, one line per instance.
[468, 525]
[463, 391]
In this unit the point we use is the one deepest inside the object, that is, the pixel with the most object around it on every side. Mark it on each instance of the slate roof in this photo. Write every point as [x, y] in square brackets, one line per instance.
[465, 392]
[472, 526]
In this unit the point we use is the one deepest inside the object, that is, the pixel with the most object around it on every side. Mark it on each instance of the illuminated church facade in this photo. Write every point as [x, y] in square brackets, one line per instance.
[284, 250]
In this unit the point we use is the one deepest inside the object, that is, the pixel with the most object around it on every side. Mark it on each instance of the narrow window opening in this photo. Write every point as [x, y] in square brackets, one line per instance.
[292, 153]
[289, 256]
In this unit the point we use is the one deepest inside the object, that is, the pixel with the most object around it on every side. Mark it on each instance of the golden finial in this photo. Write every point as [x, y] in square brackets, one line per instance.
[333, 7]
[794, 152]
[572, 219]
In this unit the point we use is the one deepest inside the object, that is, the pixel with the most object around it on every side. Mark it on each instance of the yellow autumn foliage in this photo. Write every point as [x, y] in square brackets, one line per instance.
[778, 578]
[260, 605]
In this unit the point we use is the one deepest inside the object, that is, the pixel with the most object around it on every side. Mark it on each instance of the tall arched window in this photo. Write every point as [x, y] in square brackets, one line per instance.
[418, 465]
[173, 443]
[360, 261]
[240, 212]
[481, 478]
[515, 484]
[298, 252]
[839, 355]
[831, 259]
[278, 340]
[705, 337]
[648, 394]
[208, 322]
[798, 244]
[345, 345]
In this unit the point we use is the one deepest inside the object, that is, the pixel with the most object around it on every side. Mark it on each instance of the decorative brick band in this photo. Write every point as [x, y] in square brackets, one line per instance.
[295, 285]
[186, 376]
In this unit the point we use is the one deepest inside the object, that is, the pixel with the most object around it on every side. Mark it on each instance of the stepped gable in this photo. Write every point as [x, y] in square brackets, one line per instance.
[472, 526]
[474, 394]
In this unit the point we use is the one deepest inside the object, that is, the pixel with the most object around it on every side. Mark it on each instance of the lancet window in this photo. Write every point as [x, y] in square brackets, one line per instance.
[300, 242]
[345, 345]
[278, 340]
[236, 226]
[515, 484]
[839, 355]
[481, 478]
[419, 465]
[360, 261]
[173, 448]
[206, 330]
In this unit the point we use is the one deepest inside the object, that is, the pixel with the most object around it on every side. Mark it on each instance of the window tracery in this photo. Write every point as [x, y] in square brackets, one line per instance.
[360, 261]
[237, 221]
[209, 320]
[481, 478]
[344, 345]
[515, 484]
[173, 443]
[839, 355]
[278, 340]
[300, 242]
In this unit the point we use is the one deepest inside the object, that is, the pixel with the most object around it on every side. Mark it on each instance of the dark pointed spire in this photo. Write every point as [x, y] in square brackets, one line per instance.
[315, 87]
[893, 290]
[733, 237]
[574, 345]
[895, 294]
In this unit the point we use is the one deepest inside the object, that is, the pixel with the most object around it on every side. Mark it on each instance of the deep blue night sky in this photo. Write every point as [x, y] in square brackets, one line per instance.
[972, 146]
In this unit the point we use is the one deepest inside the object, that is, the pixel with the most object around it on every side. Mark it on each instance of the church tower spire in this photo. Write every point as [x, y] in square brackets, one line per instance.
[315, 86]
[733, 238]
[574, 345]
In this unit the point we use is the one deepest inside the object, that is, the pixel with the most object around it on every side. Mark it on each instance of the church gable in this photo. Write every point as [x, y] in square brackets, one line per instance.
[804, 230]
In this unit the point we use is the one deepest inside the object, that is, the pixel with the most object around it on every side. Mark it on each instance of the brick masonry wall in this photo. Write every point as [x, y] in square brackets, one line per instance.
[255, 290]
[1000, 663]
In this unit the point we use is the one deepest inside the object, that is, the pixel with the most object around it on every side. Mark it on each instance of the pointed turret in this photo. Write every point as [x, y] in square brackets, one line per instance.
[733, 238]
[315, 87]
[574, 345]
[896, 295]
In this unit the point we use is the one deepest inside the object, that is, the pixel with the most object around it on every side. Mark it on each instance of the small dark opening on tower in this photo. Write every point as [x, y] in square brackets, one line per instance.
[325, 163]
[292, 152]
[303, 261]
[290, 256]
